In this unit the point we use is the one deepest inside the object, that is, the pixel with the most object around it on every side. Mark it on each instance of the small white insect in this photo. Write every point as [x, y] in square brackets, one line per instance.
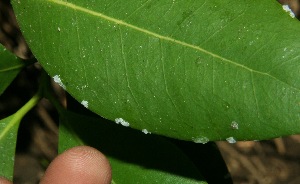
[57, 80]
[286, 8]
[122, 122]
[145, 131]
[85, 103]
[234, 125]
[202, 140]
[58, 28]
[231, 140]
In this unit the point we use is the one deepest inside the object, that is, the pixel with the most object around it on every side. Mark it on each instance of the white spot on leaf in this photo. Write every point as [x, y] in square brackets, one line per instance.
[145, 131]
[234, 125]
[57, 80]
[85, 103]
[231, 140]
[202, 140]
[122, 122]
[287, 9]
[58, 29]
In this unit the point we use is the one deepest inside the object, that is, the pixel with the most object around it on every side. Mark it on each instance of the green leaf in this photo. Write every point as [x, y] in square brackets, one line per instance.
[207, 159]
[10, 66]
[189, 69]
[134, 156]
[8, 137]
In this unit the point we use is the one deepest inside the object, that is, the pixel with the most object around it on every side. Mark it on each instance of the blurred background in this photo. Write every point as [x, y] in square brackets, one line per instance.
[274, 161]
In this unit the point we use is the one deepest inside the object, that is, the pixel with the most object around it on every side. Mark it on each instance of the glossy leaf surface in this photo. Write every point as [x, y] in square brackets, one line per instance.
[134, 156]
[10, 66]
[190, 69]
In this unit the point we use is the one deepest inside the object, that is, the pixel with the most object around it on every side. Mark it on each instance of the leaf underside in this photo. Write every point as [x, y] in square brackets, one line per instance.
[189, 69]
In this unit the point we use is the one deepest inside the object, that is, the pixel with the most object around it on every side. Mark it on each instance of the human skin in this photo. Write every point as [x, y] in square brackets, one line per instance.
[82, 164]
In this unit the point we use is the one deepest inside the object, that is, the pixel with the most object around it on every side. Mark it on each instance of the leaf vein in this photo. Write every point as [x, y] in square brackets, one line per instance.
[16, 67]
[165, 81]
[81, 54]
[254, 94]
[183, 20]
[143, 5]
[126, 73]
[283, 63]
[162, 37]
[222, 28]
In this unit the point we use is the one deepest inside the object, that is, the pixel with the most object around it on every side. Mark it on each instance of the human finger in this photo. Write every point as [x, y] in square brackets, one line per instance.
[82, 164]
[4, 181]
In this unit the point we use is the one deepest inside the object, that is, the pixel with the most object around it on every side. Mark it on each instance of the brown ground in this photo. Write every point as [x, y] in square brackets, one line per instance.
[275, 161]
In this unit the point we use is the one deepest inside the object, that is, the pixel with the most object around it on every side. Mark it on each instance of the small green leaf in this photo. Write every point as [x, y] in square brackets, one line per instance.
[8, 137]
[195, 70]
[10, 66]
[134, 156]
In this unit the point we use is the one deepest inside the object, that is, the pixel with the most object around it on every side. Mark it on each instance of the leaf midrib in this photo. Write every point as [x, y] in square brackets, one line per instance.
[16, 118]
[145, 31]
[16, 67]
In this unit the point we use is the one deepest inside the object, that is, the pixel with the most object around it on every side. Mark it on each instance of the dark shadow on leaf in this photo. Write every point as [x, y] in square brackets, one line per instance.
[147, 151]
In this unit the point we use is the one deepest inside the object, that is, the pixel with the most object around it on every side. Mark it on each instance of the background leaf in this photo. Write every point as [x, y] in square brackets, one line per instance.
[134, 156]
[10, 66]
[207, 159]
[190, 69]
[8, 137]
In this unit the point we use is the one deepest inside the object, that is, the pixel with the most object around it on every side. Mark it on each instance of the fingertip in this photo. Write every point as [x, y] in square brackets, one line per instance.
[4, 181]
[82, 164]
